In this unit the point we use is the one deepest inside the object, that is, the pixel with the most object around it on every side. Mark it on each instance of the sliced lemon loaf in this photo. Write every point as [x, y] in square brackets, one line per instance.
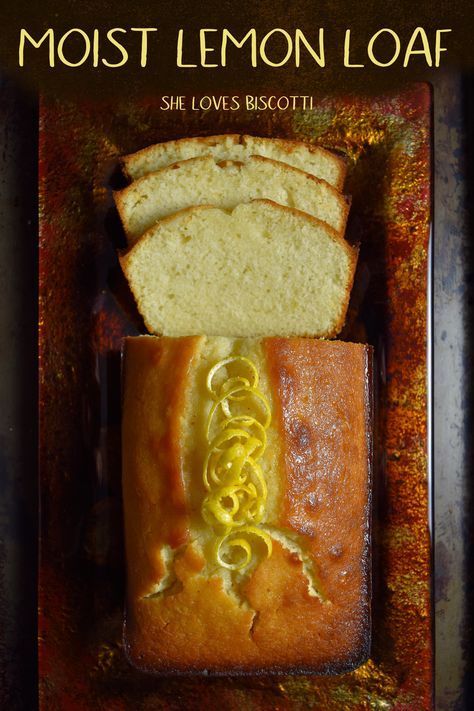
[260, 269]
[312, 159]
[201, 181]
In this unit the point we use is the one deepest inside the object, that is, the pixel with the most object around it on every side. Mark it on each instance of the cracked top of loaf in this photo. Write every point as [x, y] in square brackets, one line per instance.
[295, 596]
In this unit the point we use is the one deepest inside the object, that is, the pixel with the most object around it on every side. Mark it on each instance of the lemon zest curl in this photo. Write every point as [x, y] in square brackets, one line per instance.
[236, 488]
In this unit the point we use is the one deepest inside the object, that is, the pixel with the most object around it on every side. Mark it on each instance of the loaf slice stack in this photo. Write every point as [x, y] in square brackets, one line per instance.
[202, 181]
[237, 235]
[261, 269]
[312, 159]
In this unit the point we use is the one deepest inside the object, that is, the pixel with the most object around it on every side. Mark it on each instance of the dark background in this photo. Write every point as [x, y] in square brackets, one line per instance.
[452, 286]
[161, 75]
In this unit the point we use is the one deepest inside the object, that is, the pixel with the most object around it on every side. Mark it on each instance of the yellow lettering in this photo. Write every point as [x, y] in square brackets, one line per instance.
[87, 47]
[24, 35]
[300, 38]
[263, 45]
[95, 48]
[120, 47]
[438, 48]
[227, 36]
[204, 49]
[347, 51]
[419, 31]
[144, 50]
[179, 52]
[370, 48]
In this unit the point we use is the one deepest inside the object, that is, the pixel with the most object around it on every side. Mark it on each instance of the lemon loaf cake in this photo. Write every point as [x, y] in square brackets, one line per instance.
[260, 269]
[201, 181]
[312, 159]
[246, 488]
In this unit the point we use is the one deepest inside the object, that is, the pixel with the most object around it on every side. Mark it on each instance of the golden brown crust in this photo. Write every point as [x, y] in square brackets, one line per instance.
[322, 411]
[322, 408]
[207, 140]
[287, 145]
[120, 195]
[343, 201]
[198, 627]
[118, 198]
[351, 251]
[154, 386]
[124, 255]
[290, 145]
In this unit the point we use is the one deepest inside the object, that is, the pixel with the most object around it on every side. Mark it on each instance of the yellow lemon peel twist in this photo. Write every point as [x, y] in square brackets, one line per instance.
[236, 488]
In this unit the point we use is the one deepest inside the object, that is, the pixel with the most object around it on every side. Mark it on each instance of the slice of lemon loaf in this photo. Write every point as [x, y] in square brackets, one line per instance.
[312, 159]
[201, 181]
[260, 269]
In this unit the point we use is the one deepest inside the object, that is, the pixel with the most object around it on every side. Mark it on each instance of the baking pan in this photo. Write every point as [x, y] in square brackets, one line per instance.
[85, 310]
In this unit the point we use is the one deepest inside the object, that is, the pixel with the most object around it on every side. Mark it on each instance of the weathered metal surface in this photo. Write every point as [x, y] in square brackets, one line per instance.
[453, 392]
[83, 316]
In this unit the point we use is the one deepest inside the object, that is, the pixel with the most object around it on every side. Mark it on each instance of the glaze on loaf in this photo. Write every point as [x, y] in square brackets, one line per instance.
[184, 614]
